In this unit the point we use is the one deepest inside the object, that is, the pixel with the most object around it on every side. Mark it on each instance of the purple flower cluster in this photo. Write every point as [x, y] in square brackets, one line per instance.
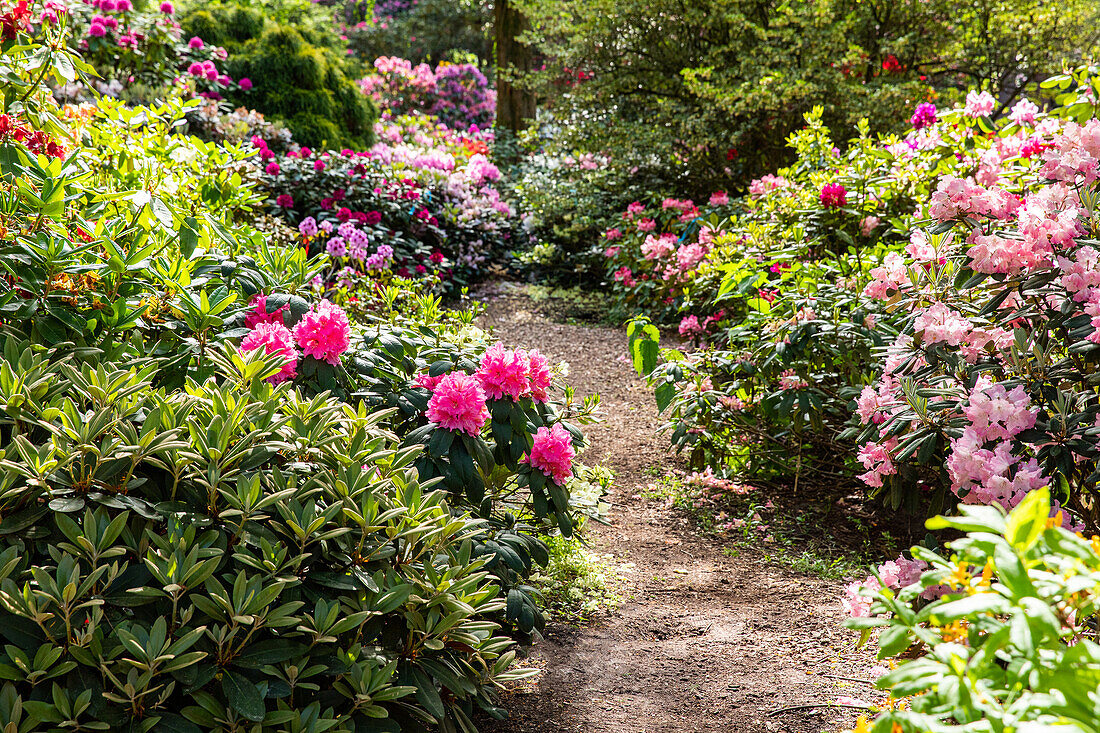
[459, 95]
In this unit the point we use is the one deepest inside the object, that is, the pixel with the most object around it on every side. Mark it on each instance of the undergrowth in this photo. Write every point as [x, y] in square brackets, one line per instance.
[746, 520]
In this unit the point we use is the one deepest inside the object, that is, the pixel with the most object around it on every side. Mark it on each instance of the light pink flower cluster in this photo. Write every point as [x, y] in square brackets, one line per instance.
[981, 475]
[877, 459]
[888, 278]
[956, 197]
[895, 575]
[979, 104]
[764, 184]
[458, 403]
[941, 324]
[274, 338]
[658, 248]
[552, 453]
[324, 332]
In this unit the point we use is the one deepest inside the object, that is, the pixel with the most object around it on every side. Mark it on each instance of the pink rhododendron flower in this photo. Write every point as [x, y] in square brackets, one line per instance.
[1024, 111]
[923, 116]
[689, 327]
[428, 382]
[877, 459]
[260, 315]
[979, 104]
[719, 198]
[458, 403]
[538, 375]
[503, 373]
[553, 453]
[833, 195]
[274, 338]
[324, 332]
[942, 324]
[763, 185]
[647, 225]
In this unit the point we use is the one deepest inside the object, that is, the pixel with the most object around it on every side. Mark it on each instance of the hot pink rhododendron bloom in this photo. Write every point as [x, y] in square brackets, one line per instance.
[260, 315]
[427, 381]
[274, 338]
[833, 195]
[458, 403]
[538, 374]
[689, 327]
[647, 225]
[625, 276]
[719, 198]
[324, 332]
[504, 373]
[613, 234]
[553, 453]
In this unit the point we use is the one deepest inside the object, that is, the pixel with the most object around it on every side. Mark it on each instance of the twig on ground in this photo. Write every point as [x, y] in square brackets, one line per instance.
[819, 705]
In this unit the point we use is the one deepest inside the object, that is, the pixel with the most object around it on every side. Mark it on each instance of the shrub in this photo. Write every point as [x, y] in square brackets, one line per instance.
[457, 94]
[208, 527]
[426, 193]
[999, 330]
[1009, 644]
[298, 75]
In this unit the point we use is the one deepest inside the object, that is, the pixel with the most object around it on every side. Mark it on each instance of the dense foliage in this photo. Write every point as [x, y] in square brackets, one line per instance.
[236, 494]
[1009, 643]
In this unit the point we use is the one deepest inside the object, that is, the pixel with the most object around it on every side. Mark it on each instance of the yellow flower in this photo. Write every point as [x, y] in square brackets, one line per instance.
[960, 577]
[955, 631]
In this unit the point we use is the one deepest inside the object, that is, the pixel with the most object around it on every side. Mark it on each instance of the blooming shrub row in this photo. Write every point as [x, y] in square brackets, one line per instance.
[806, 318]
[422, 203]
[234, 499]
[459, 95]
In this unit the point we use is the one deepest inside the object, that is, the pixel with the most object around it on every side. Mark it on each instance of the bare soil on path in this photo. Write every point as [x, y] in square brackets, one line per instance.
[702, 641]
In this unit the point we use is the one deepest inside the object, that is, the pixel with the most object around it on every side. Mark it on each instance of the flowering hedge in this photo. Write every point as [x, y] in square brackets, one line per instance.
[458, 95]
[216, 476]
[423, 202]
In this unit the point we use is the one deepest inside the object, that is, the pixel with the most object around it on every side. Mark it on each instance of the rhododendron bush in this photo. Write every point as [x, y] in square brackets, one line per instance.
[423, 202]
[220, 472]
[457, 94]
[988, 388]
[1008, 639]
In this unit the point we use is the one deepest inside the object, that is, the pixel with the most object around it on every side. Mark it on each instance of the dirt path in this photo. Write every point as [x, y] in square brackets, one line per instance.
[702, 641]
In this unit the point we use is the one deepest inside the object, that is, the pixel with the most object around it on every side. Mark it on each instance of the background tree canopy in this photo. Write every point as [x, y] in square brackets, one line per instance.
[720, 84]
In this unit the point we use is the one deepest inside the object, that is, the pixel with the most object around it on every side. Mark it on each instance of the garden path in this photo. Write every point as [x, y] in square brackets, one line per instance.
[702, 641]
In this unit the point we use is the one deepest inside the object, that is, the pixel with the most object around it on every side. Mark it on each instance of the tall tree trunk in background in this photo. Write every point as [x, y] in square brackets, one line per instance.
[515, 105]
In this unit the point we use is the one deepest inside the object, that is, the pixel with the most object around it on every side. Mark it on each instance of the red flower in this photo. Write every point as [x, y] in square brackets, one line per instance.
[891, 64]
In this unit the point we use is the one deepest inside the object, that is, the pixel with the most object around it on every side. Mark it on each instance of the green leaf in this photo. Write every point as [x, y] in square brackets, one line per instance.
[189, 236]
[243, 696]
[1028, 520]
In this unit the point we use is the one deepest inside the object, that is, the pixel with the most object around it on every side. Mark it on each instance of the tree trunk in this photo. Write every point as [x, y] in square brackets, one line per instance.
[515, 105]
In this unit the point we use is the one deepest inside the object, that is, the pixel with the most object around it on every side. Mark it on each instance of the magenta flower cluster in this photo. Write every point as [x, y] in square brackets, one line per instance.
[323, 333]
